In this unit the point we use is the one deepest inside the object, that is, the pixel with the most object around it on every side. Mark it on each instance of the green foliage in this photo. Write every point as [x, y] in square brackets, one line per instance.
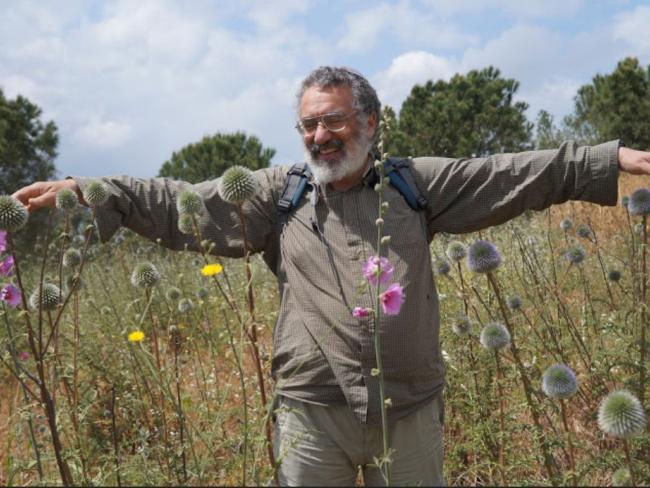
[472, 114]
[27, 145]
[615, 106]
[209, 158]
[547, 134]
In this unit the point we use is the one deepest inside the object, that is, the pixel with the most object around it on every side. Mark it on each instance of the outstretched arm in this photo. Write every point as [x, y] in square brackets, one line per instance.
[43, 193]
[633, 161]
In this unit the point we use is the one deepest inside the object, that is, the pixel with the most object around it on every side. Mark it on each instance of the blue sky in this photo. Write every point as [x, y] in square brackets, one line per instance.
[128, 82]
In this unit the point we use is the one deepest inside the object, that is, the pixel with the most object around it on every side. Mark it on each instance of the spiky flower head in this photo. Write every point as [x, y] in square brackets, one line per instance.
[47, 297]
[575, 254]
[640, 202]
[625, 201]
[584, 231]
[74, 280]
[483, 257]
[13, 214]
[621, 414]
[71, 258]
[173, 293]
[186, 224]
[189, 202]
[559, 381]
[621, 477]
[95, 194]
[614, 275]
[461, 325]
[566, 225]
[202, 293]
[495, 336]
[513, 302]
[185, 305]
[441, 266]
[66, 200]
[145, 275]
[237, 184]
[456, 251]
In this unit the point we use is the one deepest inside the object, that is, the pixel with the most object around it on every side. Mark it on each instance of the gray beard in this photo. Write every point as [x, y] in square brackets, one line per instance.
[354, 157]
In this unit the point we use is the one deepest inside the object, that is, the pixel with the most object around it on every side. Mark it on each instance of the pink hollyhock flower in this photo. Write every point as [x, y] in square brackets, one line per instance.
[360, 312]
[10, 294]
[7, 266]
[3, 240]
[371, 270]
[23, 356]
[392, 299]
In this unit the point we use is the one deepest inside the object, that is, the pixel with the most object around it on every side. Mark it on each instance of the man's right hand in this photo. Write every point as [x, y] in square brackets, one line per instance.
[43, 193]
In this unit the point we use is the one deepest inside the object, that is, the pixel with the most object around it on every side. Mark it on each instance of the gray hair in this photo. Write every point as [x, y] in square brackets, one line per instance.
[364, 96]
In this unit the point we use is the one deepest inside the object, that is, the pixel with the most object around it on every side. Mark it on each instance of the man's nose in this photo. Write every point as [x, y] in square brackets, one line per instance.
[322, 134]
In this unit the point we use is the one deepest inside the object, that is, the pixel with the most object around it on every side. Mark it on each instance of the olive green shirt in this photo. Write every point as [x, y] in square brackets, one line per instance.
[321, 353]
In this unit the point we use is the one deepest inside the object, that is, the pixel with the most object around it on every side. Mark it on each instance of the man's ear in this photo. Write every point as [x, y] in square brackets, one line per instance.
[372, 124]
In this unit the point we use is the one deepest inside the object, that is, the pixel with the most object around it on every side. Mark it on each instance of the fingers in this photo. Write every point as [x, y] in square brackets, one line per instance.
[42, 194]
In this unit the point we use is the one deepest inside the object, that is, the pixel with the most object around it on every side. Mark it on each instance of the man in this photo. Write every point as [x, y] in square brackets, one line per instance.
[323, 356]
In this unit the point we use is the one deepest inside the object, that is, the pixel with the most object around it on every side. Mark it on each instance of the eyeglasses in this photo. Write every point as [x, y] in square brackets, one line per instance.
[333, 122]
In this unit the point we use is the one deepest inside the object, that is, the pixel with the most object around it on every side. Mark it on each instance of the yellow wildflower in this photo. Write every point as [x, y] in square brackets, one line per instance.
[211, 269]
[136, 336]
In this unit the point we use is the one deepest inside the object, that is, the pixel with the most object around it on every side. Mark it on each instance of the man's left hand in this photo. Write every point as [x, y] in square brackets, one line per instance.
[633, 161]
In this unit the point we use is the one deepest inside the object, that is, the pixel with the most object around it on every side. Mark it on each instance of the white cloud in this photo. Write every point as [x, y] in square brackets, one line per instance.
[410, 26]
[555, 96]
[15, 85]
[633, 28]
[516, 8]
[103, 133]
[394, 84]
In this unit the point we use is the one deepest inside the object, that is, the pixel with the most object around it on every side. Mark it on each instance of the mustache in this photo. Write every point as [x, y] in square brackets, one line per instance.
[314, 149]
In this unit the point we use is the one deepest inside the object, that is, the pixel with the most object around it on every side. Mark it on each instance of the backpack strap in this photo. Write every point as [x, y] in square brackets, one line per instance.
[398, 171]
[294, 187]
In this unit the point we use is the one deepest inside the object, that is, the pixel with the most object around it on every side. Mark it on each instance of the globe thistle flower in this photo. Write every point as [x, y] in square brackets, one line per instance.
[145, 275]
[575, 254]
[584, 231]
[95, 194]
[441, 267]
[621, 414]
[189, 202]
[13, 214]
[559, 381]
[483, 257]
[513, 302]
[639, 203]
[566, 225]
[237, 184]
[66, 200]
[73, 280]
[173, 293]
[71, 258]
[495, 336]
[202, 293]
[461, 325]
[47, 297]
[186, 224]
[614, 275]
[185, 305]
[456, 251]
[621, 477]
[625, 201]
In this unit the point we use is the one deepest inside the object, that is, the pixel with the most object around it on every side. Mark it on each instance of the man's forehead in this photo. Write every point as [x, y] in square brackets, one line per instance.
[317, 100]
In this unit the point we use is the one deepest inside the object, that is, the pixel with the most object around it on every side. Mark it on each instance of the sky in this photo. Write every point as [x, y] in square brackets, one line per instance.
[128, 82]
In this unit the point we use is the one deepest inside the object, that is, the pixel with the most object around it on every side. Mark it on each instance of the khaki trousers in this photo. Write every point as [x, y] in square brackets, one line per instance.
[326, 445]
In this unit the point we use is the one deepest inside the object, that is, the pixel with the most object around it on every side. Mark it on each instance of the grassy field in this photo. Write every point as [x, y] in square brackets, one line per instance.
[181, 403]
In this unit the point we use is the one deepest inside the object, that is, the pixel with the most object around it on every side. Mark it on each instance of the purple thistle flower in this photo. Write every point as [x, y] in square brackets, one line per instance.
[392, 299]
[10, 294]
[371, 270]
[7, 266]
[639, 203]
[483, 257]
[3, 241]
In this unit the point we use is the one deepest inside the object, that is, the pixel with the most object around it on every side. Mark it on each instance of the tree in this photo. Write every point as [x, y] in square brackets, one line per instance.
[548, 136]
[469, 115]
[615, 106]
[210, 157]
[27, 145]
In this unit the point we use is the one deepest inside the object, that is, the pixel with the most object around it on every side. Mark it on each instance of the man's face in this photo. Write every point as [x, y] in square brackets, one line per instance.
[334, 155]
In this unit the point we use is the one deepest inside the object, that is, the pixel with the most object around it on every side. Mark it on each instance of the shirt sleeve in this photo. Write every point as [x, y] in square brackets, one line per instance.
[465, 195]
[148, 207]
